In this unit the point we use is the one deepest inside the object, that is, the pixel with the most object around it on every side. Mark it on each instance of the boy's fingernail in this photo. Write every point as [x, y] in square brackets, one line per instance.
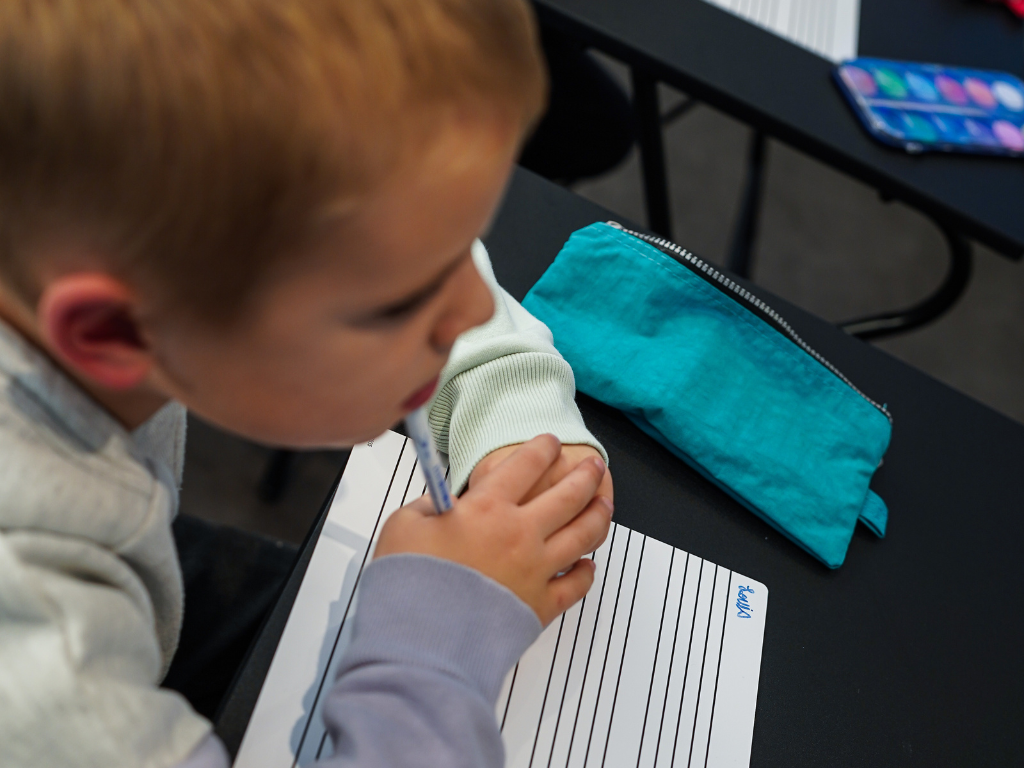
[599, 464]
[609, 504]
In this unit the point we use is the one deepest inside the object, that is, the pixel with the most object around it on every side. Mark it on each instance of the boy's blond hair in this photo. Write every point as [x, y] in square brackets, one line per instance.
[196, 141]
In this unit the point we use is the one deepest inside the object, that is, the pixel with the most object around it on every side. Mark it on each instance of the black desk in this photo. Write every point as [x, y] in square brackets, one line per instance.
[787, 92]
[910, 654]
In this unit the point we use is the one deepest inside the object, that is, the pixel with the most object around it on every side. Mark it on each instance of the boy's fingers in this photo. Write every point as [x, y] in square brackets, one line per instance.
[560, 503]
[580, 537]
[518, 473]
[568, 589]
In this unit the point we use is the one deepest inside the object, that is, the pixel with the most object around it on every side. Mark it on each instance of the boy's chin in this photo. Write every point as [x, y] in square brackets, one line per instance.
[359, 437]
[314, 436]
[298, 442]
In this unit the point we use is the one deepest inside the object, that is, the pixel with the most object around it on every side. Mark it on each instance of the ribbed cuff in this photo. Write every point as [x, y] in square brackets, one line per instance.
[427, 612]
[504, 402]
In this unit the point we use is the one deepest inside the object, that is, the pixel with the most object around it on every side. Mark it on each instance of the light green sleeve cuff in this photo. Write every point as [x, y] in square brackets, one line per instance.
[504, 383]
[504, 402]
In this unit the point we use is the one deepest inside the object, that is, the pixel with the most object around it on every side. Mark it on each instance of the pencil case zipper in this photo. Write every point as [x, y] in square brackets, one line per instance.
[724, 283]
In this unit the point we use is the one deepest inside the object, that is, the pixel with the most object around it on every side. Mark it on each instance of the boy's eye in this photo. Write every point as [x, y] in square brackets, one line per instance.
[405, 308]
[401, 310]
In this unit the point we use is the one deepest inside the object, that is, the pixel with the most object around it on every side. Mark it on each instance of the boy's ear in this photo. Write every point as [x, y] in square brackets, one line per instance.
[88, 320]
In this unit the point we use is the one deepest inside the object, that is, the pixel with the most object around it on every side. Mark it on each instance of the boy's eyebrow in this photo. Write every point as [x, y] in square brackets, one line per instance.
[420, 295]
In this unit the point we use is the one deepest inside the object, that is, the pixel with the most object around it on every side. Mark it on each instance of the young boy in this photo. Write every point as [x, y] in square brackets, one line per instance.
[266, 211]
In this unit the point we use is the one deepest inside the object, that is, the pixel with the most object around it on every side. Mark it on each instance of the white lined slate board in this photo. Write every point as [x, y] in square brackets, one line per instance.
[658, 666]
[829, 28]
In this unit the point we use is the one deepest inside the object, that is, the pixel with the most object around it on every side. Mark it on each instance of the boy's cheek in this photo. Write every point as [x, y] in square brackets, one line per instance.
[301, 384]
[320, 412]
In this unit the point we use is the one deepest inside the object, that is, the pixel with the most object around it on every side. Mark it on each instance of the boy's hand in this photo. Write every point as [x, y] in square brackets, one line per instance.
[523, 545]
[569, 458]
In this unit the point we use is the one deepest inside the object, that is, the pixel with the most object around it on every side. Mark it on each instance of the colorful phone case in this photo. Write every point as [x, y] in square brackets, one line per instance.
[930, 107]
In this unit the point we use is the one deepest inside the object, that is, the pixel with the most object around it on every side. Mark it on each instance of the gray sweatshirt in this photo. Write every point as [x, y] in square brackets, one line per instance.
[91, 592]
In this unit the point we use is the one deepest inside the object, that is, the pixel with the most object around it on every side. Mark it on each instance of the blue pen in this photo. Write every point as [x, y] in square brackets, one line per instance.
[423, 439]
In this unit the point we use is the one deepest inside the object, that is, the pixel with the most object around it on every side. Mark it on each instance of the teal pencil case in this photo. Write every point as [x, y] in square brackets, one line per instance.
[720, 379]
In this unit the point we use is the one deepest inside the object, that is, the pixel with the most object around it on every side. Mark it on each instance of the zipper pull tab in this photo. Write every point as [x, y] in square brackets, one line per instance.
[615, 224]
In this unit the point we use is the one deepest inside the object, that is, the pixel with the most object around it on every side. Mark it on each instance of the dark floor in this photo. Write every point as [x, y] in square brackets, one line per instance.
[827, 243]
[222, 473]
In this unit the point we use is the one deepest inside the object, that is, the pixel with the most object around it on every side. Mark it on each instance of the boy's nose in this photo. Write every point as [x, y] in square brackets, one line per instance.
[471, 305]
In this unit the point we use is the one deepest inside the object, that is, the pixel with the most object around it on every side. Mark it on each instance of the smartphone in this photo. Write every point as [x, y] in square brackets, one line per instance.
[930, 107]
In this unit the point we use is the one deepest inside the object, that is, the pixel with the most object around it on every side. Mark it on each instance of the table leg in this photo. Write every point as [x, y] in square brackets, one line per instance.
[652, 151]
[741, 253]
[953, 286]
[679, 110]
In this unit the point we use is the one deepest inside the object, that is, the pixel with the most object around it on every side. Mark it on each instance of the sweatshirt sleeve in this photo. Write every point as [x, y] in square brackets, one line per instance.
[504, 383]
[432, 642]
[80, 661]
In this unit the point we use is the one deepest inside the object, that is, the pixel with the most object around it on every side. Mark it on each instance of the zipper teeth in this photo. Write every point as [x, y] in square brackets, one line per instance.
[739, 290]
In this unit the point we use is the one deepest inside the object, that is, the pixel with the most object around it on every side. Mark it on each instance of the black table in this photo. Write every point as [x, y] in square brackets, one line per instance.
[786, 92]
[910, 654]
